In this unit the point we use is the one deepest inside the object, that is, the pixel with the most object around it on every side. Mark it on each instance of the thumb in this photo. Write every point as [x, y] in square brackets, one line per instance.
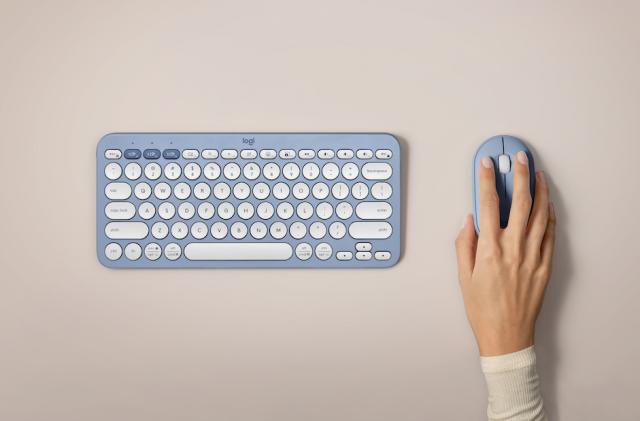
[466, 249]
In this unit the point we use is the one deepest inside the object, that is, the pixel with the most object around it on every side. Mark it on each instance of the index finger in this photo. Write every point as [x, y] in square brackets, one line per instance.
[489, 200]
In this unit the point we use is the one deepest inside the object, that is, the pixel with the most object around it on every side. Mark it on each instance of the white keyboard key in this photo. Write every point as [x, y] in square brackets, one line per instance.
[370, 230]
[182, 191]
[126, 230]
[265, 210]
[363, 246]
[112, 154]
[320, 191]
[298, 230]
[304, 210]
[363, 255]
[384, 154]
[241, 191]
[152, 171]
[231, 171]
[300, 191]
[172, 251]
[330, 171]
[310, 171]
[317, 230]
[344, 255]
[172, 171]
[162, 191]
[376, 171]
[211, 171]
[179, 230]
[382, 255]
[221, 191]
[202, 191]
[226, 210]
[166, 210]
[146, 210]
[271, 171]
[287, 154]
[159, 230]
[219, 230]
[245, 210]
[381, 191]
[248, 154]
[186, 210]
[229, 154]
[190, 154]
[291, 171]
[117, 191]
[133, 251]
[152, 251]
[267, 154]
[258, 230]
[192, 171]
[142, 191]
[261, 191]
[284, 210]
[306, 154]
[350, 171]
[210, 154]
[340, 191]
[323, 251]
[364, 154]
[206, 210]
[113, 171]
[304, 251]
[359, 191]
[337, 230]
[345, 154]
[373, 210]
[324, 210]
[238, 230]
[326, 154]
[278, 230]
[113, 251]
[344, 210]
[238, 251]
[251, 171]
[280, 191]
[120, 210]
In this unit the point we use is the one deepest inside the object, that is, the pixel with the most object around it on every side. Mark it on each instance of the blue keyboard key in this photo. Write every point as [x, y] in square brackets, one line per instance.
[216, 200]
[151, 153]
[132, 153]
[171, 154]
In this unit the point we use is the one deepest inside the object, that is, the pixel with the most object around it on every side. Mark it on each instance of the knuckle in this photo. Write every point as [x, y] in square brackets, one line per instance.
[490, 199]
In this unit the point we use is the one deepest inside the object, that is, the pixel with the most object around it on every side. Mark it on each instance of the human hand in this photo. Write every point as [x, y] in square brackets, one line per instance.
[503, 273]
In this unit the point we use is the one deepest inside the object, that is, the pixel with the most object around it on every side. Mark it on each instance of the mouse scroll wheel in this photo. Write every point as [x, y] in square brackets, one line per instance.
[504, 164]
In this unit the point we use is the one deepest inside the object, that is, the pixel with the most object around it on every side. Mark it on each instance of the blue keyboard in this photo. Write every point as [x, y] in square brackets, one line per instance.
[239, 200]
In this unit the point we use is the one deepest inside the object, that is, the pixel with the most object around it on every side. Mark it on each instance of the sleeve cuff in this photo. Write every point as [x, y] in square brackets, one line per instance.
[508, 362]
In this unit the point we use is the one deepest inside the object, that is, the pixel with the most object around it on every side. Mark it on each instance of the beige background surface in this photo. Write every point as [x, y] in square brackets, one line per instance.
[81, 342]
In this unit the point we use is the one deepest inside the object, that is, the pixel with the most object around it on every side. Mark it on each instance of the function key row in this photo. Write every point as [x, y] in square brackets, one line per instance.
[248, 154]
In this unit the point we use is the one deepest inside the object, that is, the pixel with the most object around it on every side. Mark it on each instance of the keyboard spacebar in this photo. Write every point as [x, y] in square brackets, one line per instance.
[238, 251]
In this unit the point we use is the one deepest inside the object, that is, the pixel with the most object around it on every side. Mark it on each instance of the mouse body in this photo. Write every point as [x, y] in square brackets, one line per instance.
[502, 150]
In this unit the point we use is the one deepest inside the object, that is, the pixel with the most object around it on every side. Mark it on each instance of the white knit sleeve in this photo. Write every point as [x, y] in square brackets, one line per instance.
[514, 388]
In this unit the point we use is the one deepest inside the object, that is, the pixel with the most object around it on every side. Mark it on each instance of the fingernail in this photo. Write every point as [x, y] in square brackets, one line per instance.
[522, 157]
[541, 177]
[464, 223]
[552, 210]
[487, 162]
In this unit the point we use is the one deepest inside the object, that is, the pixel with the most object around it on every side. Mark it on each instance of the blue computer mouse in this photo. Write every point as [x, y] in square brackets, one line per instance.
[502, 150]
